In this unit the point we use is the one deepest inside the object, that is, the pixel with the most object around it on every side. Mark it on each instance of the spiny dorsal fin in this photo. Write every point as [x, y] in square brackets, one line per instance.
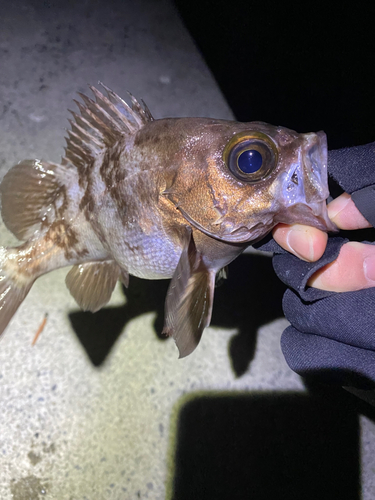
[92, 283]
[102, 122]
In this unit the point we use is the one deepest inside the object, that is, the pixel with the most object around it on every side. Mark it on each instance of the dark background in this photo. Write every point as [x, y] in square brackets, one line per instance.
[307, 66]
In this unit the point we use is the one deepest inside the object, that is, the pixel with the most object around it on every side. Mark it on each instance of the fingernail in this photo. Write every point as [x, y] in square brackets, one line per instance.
[369, 268]
[336, 206]
[301, 244]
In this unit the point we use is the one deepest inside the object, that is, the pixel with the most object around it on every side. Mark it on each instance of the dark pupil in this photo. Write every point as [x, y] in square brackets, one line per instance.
[250, 161]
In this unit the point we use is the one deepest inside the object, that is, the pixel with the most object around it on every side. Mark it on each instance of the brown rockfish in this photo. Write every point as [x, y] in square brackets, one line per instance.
[173, 198]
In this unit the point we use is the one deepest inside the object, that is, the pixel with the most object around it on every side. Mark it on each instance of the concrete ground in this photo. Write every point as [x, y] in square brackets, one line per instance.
[100, 407]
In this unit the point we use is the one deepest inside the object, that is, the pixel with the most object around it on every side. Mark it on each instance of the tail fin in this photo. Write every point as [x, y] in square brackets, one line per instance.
[13, 289]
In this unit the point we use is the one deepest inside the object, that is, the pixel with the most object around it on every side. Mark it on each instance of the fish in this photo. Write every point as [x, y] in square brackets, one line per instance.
[170, 198]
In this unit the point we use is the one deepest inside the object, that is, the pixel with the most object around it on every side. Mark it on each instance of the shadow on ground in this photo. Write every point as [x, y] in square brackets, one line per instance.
[258, 447]
[249, 298]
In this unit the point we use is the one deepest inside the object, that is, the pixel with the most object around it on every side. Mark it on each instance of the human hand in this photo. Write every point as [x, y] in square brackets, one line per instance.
[354, 269]
[332, 335]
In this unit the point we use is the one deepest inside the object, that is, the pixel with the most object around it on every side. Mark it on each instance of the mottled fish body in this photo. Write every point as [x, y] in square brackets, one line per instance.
[173, 198]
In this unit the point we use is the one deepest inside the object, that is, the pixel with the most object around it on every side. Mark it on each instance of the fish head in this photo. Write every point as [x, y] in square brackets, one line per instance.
[236, 181]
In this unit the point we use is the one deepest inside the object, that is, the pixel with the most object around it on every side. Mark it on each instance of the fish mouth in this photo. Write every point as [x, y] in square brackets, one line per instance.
[305, 186]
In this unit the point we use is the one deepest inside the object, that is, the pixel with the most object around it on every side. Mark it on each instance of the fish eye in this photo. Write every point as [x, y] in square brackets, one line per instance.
[250, 156]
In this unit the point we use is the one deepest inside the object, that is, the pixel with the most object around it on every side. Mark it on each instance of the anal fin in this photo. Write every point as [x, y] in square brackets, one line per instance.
[92, 283]
[188, 306]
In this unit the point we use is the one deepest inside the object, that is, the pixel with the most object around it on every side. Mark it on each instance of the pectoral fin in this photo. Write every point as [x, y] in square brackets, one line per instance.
[92, 283]
[188, 306]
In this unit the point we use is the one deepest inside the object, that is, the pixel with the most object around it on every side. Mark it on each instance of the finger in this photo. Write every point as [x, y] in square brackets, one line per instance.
[306, 242]
[343, 212]
[354, 269]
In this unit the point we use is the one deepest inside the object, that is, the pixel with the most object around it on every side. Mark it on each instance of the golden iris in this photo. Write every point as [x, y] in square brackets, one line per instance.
[250, 156]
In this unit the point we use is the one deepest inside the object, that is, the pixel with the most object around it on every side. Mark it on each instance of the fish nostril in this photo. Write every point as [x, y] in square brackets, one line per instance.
[294, 178]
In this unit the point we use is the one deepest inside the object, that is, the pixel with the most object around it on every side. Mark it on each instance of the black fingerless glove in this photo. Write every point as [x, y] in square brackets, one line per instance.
[332, 335]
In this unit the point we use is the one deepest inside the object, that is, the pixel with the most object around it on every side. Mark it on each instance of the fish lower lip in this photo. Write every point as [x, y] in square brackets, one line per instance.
[320, 217]
[326, 225]
[314, 215]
